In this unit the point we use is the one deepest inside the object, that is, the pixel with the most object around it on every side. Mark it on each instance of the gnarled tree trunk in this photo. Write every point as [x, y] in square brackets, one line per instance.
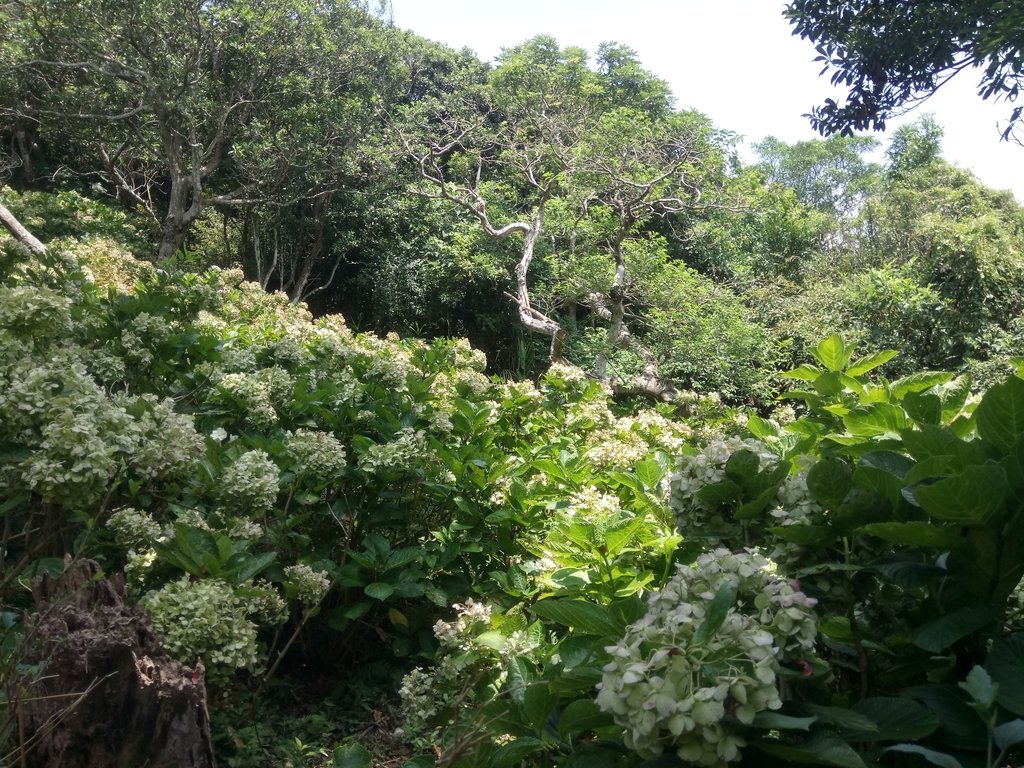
[106, 693]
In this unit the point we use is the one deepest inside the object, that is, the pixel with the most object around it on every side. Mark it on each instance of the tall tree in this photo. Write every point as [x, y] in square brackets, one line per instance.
[893, 54]
[185, 104]
[565, 158]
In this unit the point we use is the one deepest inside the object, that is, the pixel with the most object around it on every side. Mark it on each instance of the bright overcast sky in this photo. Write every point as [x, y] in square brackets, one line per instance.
[734, 60]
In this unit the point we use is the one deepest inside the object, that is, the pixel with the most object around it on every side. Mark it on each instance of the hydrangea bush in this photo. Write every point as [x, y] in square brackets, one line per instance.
[691, 674]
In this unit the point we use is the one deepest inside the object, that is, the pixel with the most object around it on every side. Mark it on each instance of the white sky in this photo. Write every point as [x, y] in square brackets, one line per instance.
[734, 60]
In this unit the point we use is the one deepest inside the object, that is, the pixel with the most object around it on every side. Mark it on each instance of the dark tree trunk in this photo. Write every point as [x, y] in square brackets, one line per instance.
[106, 693]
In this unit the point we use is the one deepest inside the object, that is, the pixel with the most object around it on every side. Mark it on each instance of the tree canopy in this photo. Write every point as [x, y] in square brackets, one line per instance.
[893, 54]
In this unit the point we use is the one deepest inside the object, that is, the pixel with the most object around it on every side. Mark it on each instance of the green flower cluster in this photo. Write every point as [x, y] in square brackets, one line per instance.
[674, 682]
[250, 485]
[316, 454]
[203, 619]
[305, 584]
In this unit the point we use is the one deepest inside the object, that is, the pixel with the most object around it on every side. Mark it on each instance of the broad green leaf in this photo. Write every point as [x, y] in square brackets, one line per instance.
[617, 538]
[578, 614]
[537, 704]
[805, 535]
[379, 590]
[761, 428]
[916, 533]
[773, 721]
[820, 749]
[842, 717]
[936, 636]
[517, 677]
[972, 497]
[923, 407]
[514, 753]
[580, 716]
[649, 473]
[829, 385]
[717, 494]
[1005, 663]
[897, 718]
[954, 396]
[889, 461]
[908, 573]
[1009, 734]
[576, 650]
[251, 565]
[741, 465]
[829, 480]
[717, 611]
[578, 680]
[880, 482]
[876, 419]
[991, 564]
[961, 726]
[862, 365]
[492, 639]
[627, 610]
[353, 755]
[1000, 414]
[833, 353]
[803, 373]
[940, 759]
[751, 510]
[918, 382]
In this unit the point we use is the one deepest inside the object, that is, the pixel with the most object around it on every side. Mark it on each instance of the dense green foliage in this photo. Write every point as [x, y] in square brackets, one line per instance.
[621, 550]
[891, 55]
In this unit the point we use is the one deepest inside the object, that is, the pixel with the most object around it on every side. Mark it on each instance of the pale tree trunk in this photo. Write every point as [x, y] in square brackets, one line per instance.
[617, 335]
[530, 317]
[17, 229]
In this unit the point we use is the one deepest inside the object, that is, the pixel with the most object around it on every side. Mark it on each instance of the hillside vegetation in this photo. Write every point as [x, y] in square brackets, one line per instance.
[621, 452]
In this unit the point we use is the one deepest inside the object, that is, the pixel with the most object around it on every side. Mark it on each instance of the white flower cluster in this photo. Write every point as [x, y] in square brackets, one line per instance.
[169, 445]
[305, 584]
[448, 685]
[260, 393]
[471, 618]
[264, 603]
[250, 484]
[500, 490]
[406, 451]
[794, 503]
[317, 454]
[243, 528]
[565, 373]
[695, 518]
[203, 619]
[34, 312]
[237, 360]
[673, 688]
[387, 366]
[467, 357]
[133, 529]
[589, 504]
[1014, 621]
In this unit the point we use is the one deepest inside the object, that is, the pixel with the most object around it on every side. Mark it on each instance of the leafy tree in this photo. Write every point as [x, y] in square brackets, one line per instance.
[830, 175]
[893, 54]
[546, 151]
[182, 105]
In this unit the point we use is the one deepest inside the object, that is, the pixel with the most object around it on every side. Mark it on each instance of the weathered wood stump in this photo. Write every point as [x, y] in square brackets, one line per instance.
[105, 694]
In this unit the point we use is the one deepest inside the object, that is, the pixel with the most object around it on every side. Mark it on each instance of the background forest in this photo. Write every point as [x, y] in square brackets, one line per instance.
[547, 494]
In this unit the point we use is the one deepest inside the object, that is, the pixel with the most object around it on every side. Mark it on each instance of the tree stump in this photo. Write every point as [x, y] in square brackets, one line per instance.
[104, 693]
